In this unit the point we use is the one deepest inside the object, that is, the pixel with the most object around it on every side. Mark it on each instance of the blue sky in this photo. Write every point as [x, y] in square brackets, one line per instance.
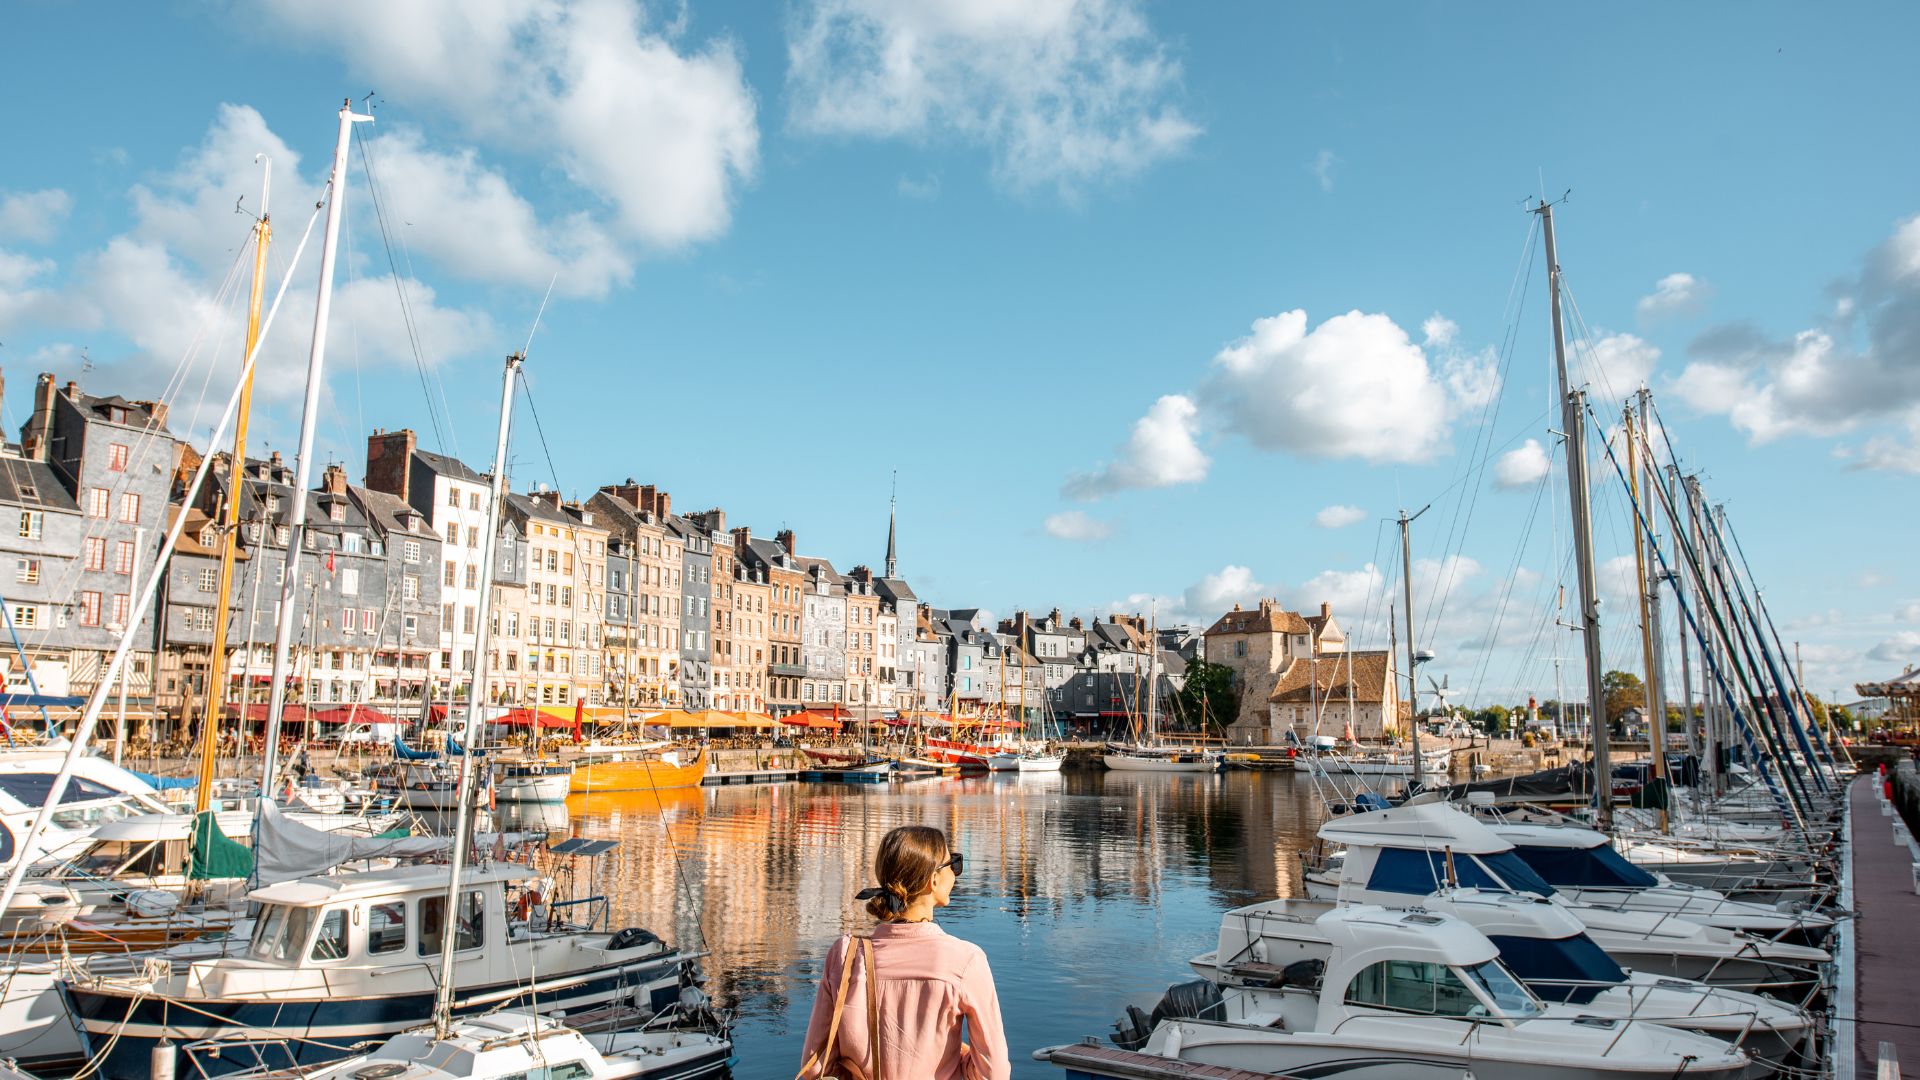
[998, 247]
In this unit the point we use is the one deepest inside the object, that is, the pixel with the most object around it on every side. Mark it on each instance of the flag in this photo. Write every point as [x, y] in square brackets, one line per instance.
[329, 562]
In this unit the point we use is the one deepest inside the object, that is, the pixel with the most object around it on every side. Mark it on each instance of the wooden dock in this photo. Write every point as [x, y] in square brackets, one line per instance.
[751, 776]
[1092, 1059]
[1887, 976]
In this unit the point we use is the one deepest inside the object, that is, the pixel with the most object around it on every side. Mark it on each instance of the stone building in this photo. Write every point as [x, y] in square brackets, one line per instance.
[643, 597]
[752, 599]
[115, 459]
[41, 534]
[1256, 644]
[1312, 697]
[725, 672]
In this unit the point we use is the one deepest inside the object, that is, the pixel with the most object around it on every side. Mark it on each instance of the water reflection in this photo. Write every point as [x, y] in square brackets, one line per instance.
[1087, 890]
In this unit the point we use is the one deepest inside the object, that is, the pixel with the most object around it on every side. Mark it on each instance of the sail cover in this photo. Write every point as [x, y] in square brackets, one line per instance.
[212, 854]
[287, 849]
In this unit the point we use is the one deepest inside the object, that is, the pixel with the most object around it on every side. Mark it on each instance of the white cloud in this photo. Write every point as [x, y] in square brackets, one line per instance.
[1339, 517]
[1901, 648]
[1077, 525]
[660, 135]
[925, 188]
[1216, 593]
[1159, 452]
[1521, 467]
[155, 290]
[1347, 592]
[33, 217]
[1061, 93]
[1617, 365]
[1676, 295]
[1322, 167]
[1439, 331]
[1354, 386]
[1827, 380]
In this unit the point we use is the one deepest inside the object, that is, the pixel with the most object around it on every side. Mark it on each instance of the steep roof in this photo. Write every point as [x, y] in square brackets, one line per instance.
[390, 513]
[449, 466]
[1307, 681]
[1267, 618]
[33, 484]
[895, 589]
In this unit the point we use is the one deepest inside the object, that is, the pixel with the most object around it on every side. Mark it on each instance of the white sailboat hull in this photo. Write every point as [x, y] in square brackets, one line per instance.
[1043, 763]
[1143, 763]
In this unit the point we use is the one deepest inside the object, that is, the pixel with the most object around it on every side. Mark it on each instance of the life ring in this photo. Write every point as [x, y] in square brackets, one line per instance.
[523, 908]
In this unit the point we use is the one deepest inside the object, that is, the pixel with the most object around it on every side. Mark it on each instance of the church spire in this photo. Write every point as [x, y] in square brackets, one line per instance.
[892, 500]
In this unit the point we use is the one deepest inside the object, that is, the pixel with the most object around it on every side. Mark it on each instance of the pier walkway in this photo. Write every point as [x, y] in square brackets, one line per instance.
[1888, 956]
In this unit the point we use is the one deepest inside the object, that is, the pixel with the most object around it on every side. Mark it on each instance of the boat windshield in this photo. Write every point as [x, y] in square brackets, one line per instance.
[1505, 991]
[1415, 986]
[1421, 872]
[140, 858]
[281, 932]
[1570, 969]
[1592, 868]
[1515, 874]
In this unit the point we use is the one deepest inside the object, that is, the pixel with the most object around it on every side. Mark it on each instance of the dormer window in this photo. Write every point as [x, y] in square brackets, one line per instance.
[206, 536]
[280, 534]
[337, 512]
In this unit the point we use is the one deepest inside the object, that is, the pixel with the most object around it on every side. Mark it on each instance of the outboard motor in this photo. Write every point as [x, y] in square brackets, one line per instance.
[1196, 1000]
[631, 938]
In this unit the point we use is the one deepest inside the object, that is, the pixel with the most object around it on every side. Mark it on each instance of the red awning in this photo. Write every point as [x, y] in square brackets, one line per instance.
[351, 714]
[289, 714]
[811, 719]
[524, 717]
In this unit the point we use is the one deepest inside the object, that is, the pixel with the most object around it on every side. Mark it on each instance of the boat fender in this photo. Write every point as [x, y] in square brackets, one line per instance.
[632, 937]
[1170, 1048]
[160, 1062]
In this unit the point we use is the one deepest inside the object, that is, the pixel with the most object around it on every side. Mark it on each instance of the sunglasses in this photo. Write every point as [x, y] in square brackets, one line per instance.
[955, 860]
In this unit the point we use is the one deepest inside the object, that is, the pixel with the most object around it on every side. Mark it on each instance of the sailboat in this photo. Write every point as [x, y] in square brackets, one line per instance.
[1036, 758]
[1149, 755]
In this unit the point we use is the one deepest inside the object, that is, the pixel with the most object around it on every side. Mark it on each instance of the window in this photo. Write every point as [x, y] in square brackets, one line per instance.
[331, 942]
[209, 579]
[122, 605]
[386, 927]
[350, 581]
[366, 619]
[30, 524]
[25, 616]
[410, 551]
[453, 500]
[123, 557]
[130, 508]
[1416, 987]
[412, 623]
[1240, 649]
[353, 543]
[99, 502]
[513, 624]
[28, 572]
[473, 500]
[280, 931]
[410, 587]
[467, 620]
[89, 609]
[468, 923]
[473, 576]
[566, 596]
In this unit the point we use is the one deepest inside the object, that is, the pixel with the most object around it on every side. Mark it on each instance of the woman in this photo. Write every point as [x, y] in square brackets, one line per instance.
[925, 982]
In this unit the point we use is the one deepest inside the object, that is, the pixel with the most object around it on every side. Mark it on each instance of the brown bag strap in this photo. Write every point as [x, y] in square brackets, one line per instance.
[824, 1055]
[873, 1011]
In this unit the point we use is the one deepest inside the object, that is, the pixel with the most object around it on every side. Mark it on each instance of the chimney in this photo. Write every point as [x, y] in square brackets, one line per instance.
[274, 461]
[334, 480]
[39, 428]
[1326, 610]
[861, 574]
[73, 390]
[740, 536]
[390, 462]
[785, 539]
[1074, 622]
[1053, 617]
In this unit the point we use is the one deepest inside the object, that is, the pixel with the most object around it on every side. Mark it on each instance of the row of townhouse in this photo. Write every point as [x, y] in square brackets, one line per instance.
[614, 600]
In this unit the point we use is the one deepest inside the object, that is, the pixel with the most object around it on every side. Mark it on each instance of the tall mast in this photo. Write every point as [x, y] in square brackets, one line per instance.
[1413, 660]
[1573, 422]
[1649, 608]
[230, 510]
[1153, 695]
[489, 552]
[303, 458]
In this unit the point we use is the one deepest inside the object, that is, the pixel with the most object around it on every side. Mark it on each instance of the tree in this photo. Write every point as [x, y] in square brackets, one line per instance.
[1624, 691]
[1492, 719]
[1209, 696]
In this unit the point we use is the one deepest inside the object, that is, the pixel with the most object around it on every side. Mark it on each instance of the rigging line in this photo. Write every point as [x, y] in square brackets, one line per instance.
[1519, 552]
[527, 389]
[399, 286]
[1483, 440]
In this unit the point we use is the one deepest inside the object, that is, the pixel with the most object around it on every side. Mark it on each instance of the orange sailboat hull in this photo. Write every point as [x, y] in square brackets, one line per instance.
[603, 777]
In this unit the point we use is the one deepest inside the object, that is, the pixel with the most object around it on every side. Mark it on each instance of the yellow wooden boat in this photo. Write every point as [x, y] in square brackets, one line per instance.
[605, 770]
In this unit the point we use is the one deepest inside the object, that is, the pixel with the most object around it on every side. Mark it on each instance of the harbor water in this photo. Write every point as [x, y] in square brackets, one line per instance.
[1087, 890]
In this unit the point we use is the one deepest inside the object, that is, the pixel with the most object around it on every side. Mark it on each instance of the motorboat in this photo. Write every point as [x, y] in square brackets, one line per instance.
[519, 1045]
[335, 960]
[1543, 945]
[1584, 867]
[1415, 849]
[532, 780]
[1408, 993]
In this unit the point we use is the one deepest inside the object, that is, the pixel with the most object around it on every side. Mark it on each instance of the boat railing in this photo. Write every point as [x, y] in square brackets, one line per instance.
[599, 910]
[261, 1057]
